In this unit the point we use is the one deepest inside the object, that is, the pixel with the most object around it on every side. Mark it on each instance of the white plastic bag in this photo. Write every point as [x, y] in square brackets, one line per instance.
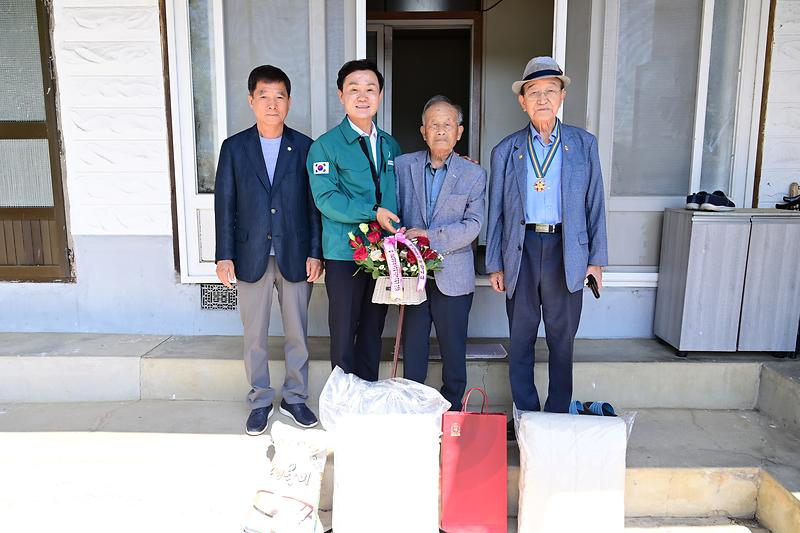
[572, 473]
[386, 450]
[347, 394]
[289, 501]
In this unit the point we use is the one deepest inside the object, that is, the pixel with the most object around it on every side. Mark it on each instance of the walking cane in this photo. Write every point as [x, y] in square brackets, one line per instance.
[397, 337]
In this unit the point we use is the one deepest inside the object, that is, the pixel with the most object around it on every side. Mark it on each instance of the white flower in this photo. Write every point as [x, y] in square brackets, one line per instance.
[364, 228]
[381, 267]
[375, 255]
[351, 236]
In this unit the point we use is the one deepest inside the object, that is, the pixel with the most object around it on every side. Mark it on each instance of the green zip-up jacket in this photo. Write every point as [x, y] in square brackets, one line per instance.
[343, 188]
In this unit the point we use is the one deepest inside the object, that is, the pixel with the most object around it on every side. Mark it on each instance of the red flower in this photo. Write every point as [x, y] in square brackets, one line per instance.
[374, 237]
[422, 240]
[357, 243]
[411, 258]
[360, 254]
[374, 226]
[429, 254]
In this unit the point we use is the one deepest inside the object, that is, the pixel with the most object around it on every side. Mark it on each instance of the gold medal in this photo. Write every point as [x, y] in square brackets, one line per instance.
[541, 168]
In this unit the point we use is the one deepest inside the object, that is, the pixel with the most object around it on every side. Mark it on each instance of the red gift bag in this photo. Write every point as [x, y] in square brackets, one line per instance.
[474, 470]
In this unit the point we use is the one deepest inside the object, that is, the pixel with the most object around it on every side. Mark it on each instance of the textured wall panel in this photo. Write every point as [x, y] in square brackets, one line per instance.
[111, 123]
[783, 119]
[100, 91]
[111, 107]
[120, 220]
[787, 18]
[118, 24]
[120, 156]
[786, 53]
[781, 162]
[120, 188]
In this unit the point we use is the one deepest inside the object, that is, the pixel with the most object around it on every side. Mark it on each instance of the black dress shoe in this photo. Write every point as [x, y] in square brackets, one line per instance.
[300, 413]
[258, 419]
[717, 201]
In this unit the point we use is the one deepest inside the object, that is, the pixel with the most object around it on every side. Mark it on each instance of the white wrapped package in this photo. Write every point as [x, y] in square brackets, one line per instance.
[572, 473]
[346, 394]
[386, 453]
[289, 499]
[387, 474]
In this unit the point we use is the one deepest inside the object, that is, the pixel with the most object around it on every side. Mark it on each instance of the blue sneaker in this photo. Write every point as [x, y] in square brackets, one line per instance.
[258, 419]
[300, 413]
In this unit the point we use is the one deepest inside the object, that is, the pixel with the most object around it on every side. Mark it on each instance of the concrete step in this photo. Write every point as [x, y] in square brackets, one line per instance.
[638, 373]
[186, 465]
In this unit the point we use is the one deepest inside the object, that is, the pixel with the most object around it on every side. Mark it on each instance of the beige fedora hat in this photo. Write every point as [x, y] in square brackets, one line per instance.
[538, 68]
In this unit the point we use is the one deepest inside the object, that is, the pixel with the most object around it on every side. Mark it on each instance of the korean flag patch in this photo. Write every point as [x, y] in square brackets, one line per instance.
[321, 167]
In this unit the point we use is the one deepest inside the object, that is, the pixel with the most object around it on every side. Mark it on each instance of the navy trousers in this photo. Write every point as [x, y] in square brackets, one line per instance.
[541, 291]
[450, 315]
[355, 323]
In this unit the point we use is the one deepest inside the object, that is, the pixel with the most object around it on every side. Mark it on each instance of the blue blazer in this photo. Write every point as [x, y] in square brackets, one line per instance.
[253, 216]
[582, 207]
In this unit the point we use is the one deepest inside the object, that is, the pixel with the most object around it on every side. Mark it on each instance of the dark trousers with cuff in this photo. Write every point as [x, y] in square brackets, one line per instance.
[541, 292]
[356, 324]
[450, 315]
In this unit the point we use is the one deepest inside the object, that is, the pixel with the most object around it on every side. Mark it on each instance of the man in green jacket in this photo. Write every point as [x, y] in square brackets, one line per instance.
[353, 182]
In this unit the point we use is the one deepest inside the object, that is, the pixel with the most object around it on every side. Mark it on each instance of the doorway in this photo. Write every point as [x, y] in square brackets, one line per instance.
[420, 59]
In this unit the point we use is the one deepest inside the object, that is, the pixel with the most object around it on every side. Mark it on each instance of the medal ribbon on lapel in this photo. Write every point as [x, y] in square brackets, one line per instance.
[541, 168]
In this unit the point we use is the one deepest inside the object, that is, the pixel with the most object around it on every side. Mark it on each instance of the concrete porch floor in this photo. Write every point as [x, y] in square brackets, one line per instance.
[171, 454]
[186, 465]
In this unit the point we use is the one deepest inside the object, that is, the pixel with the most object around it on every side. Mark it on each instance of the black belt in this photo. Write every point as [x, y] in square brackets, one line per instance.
[544, 228]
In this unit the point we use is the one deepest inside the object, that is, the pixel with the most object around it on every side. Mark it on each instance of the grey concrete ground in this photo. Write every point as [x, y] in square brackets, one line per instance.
[187, 464]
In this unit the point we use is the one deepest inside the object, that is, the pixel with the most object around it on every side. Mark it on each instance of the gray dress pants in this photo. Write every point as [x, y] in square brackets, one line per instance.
[255, 302]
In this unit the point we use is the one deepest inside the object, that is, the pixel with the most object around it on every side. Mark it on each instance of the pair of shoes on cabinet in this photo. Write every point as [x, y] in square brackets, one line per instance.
[792, 203]
[299, 412]
[703, 201]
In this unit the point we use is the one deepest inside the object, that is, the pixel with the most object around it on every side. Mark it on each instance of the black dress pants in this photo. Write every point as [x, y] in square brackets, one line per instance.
[450, 315]
[541, 291]
[356, 324]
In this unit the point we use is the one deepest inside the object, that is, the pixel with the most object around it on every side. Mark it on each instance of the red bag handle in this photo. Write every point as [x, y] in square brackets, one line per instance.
[466, 399]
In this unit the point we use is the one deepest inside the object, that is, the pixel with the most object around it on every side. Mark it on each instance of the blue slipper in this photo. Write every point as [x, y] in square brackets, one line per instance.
[576, 408]
[599, 408]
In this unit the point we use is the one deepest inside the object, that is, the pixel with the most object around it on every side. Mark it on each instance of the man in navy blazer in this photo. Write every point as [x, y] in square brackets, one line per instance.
[269, 235]
[546, 232]
[441, 197]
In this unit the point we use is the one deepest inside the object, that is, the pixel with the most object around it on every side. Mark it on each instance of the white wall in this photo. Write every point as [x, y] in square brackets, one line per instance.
[781, 162]
[111, 108]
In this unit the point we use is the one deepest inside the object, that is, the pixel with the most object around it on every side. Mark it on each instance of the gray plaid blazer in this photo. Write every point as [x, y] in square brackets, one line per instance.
[457, 215]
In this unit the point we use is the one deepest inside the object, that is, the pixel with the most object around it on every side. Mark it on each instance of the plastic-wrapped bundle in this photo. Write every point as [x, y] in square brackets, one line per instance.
[347, 394]
[572, 473]
[386, 450]
[289, 501]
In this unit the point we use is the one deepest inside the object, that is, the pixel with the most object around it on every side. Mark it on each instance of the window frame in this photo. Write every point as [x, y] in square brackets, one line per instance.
[55, 216]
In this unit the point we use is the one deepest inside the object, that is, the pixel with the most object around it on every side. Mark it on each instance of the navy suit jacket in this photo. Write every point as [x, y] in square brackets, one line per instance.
[253, 216]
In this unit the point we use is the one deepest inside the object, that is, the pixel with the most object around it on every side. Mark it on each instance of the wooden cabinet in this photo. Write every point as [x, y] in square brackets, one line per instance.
[729, 281]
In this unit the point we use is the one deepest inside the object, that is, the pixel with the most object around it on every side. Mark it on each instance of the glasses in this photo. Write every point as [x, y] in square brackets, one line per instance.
[549, 94]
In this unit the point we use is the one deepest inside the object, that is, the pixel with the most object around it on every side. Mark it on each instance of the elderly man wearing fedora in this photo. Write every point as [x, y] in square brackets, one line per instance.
[546, 232]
